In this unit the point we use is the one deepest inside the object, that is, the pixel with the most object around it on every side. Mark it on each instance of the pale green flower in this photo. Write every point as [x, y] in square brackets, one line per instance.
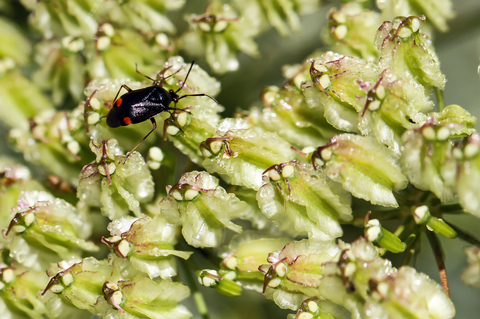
[425, 152]
[56, 141]
[143, 298]
[371, 286]
[114, 183]
[460, 122]
[203, 208]
[392, 107]
[409, 53]
[467, 155]
[301, 200]
[220, 34]
[148, 244]
[364, 167]
[248, 250]
[16, 108]
[471, 275]
[337, 80]
[79, 284]
[281, 14]
[45, 229]
[18, 290]
[287, 114]
[240, 153]
[14, 179]
[14, 46]
[437, 11]
[296, 271]
[351, 30]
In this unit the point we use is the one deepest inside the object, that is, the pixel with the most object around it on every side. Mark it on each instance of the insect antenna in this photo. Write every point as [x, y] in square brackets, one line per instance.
[136, 70]
[186, 77]
[184, 81]
[201, 94]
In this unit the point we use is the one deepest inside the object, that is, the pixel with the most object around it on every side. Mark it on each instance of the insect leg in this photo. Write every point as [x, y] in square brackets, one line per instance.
[143, 139]
[123, 86]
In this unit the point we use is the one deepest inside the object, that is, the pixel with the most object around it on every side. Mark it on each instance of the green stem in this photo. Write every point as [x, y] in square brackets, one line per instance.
[387, 214]
[440, 99]
[410, 251]
[451, 209]
[464, 235]
[189, 266]
[413, 242]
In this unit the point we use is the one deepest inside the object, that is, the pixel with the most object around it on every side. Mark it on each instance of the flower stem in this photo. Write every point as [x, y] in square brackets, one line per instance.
[440, 99]
[464, 235]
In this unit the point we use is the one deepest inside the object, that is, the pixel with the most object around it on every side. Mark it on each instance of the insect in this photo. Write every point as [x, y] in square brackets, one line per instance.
[137, 106]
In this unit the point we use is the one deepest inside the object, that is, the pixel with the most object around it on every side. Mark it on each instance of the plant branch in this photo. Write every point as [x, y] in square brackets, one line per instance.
[440, 259]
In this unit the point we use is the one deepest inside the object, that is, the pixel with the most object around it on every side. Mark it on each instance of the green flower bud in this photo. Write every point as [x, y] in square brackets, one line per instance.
[314, 308]
[422, 215]
[55, 140]
[61, 68]
[145, 16]
[356, 161]
[296, 271]
[115, 56]
[248, 250]
[383, 237]
[14, 179]
[57, 18]
[299, 199]
[223, 285]
[283, 15]
[196, 128]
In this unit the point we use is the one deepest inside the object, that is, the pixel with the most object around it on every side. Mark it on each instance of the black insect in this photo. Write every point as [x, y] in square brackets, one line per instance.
[140, 105]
